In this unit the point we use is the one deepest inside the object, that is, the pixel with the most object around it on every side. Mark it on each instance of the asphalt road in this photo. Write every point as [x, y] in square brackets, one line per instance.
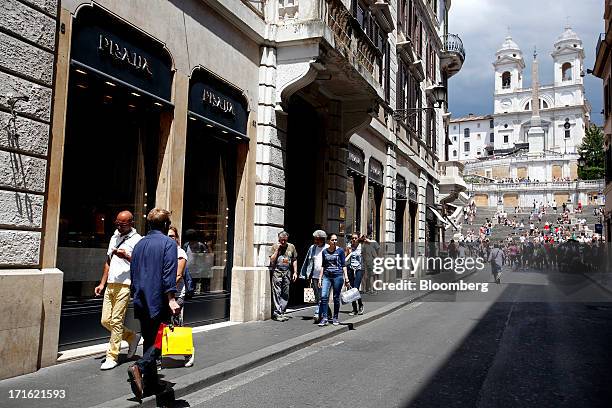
[516, 347]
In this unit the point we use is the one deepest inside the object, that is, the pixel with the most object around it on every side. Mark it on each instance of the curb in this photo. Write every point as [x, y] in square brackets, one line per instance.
[190, 383]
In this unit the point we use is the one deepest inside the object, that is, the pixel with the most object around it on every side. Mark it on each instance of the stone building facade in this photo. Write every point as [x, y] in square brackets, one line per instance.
[243, 118]
[603, 70]
[28, 51]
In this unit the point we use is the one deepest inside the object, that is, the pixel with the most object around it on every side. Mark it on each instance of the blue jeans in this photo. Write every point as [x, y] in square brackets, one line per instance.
[355, 281]
[337, 280]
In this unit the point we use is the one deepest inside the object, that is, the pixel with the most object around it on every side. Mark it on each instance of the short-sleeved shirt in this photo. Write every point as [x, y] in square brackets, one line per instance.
[285, 258]
[119, 268]
[333, 262]
[180, 286]
[356, 258]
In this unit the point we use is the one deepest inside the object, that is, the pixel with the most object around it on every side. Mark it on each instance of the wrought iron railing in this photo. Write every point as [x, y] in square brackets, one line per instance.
[452, 43]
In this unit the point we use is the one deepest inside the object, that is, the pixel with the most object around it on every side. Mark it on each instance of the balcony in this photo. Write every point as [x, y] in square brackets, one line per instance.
[452, 55]
[451, 181]
[602, 53]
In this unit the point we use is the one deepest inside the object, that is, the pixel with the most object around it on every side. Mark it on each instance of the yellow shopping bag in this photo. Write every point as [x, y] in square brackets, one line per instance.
[177, 341]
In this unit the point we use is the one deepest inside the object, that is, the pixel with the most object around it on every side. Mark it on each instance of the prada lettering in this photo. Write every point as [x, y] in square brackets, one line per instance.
[123, 55]
[218, 102]
[354, 158]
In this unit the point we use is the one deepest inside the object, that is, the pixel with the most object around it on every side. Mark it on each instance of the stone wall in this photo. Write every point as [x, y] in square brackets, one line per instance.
[27, 56]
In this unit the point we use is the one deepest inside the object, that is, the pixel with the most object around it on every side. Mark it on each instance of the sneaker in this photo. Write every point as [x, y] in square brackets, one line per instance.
[315, 318]
[335, 321]
[133, 346]
[278, 318]
[284, 317]
[360, 310]
[353, 313]
[323, 322]
[189, 360]
[108, 364]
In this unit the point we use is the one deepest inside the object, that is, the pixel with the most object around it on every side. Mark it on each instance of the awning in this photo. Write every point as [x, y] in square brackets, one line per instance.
[438, 215]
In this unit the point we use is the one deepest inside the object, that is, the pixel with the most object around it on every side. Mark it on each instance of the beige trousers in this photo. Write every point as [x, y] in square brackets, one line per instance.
[116, 299]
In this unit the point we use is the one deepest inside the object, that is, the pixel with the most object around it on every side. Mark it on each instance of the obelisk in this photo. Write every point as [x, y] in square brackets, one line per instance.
[535, 136]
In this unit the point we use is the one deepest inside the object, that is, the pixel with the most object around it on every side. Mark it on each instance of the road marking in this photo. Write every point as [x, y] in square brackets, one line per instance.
[255, 373]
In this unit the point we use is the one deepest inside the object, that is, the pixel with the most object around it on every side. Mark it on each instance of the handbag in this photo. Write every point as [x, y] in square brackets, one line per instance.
[350, 295]
[309, 294]
[177, 341]
[158, 337]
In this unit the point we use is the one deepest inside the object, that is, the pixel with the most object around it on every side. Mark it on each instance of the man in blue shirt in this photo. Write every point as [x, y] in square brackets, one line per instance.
[153, 275]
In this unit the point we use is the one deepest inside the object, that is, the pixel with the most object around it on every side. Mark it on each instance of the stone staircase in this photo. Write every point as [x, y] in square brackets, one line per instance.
[500, 231]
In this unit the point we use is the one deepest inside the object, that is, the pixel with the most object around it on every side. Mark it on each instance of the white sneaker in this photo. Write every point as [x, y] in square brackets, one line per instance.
[133, 346]
[189, 362]
[108, 364]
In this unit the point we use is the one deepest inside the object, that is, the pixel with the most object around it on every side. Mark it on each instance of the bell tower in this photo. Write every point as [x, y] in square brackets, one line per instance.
[509, 67]
[568, 57]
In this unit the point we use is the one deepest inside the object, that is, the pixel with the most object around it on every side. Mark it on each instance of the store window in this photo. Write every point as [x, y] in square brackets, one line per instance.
[354, 189]
[375, 196]
[208, 204]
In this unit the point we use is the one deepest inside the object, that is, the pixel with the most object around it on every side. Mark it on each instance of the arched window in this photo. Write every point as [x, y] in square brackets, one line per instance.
[543, 105]
[454, 153]
[466, 132]
[506, 77]
[566, 71]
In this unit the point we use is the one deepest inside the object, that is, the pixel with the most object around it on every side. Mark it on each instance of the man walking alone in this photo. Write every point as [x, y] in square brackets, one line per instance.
[116, 277]
[153, 272]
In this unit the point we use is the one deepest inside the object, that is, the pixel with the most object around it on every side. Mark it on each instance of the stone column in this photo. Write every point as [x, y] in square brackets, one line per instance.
[270, 161]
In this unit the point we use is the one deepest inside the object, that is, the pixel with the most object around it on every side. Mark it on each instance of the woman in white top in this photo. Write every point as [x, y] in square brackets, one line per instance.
[180, 281]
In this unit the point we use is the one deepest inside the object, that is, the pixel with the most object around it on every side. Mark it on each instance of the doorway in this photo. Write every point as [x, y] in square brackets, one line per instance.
[305, 199]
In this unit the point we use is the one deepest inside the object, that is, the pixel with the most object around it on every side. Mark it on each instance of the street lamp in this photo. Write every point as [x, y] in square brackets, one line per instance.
[438, 92]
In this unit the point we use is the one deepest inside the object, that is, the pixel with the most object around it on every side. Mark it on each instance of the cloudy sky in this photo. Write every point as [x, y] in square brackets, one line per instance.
[483, 25]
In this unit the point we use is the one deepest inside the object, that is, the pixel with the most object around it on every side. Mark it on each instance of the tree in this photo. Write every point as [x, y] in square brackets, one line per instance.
[592, 150]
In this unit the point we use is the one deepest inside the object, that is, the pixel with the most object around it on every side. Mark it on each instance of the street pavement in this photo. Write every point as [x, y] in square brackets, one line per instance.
[434, 353]
[85, 385]
[538, 339]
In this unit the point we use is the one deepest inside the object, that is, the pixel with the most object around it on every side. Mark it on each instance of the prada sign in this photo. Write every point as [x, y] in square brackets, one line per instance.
[119, 51]
[217, 101]
[400, 187]
[412, 192]
[375, 171]
[356, 161]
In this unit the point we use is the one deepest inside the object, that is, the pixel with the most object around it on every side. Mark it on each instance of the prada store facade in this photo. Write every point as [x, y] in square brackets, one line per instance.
[142, 125]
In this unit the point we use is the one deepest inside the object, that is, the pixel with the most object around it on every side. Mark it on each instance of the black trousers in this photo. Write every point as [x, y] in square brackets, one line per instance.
[148, 361]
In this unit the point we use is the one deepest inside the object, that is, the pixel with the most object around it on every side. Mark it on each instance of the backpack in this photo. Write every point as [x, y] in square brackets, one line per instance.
[189, 285]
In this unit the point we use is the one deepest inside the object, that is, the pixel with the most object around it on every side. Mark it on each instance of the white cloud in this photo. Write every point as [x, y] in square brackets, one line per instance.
[483, 25]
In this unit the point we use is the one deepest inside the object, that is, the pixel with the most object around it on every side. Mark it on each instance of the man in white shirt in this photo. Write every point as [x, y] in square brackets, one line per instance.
[116, 277]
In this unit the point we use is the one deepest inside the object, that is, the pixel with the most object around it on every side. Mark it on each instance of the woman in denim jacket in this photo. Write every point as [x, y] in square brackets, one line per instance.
[311, 268]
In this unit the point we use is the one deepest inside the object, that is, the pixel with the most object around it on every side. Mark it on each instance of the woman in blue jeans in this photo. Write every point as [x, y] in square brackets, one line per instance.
[354, 261]
[333, 275]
